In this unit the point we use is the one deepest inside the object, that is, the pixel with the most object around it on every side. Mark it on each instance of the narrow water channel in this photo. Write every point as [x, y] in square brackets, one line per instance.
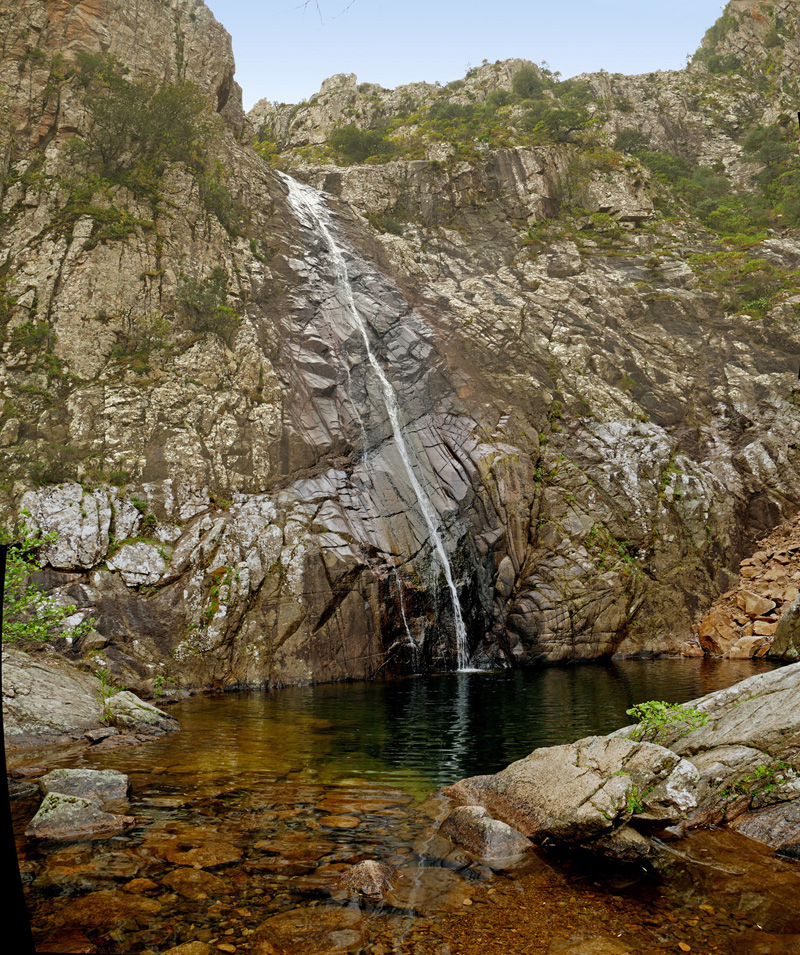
[263, 799]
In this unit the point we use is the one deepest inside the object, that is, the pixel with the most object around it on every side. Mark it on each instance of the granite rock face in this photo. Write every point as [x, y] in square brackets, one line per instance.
[600, 439]
[44, 699]
[584, 794]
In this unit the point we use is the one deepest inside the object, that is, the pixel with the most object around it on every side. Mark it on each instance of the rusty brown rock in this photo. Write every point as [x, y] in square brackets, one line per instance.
[717, 632]
[753, 604]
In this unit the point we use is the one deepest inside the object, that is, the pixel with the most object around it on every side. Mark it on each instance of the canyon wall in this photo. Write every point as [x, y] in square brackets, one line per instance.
[190, 405]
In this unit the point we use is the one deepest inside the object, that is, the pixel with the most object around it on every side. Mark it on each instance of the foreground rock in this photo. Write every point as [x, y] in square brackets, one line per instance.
[45, 699]
[489, 839]
[97, 785]
[587, 793]
[610, 794]
[70, 819]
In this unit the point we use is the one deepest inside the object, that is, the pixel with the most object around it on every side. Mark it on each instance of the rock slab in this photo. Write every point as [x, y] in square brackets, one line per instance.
[581, 793]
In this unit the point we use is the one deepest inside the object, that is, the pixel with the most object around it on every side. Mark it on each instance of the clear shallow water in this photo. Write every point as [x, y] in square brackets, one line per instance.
[303, 782]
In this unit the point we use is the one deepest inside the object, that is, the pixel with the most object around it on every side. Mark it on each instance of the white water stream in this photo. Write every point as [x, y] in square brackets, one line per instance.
[311, 211]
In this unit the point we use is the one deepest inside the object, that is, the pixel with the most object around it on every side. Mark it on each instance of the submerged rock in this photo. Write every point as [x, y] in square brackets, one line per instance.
[369, 880]
[319, 930]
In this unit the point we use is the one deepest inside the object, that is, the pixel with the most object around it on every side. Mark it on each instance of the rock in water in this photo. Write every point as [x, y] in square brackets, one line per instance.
[125, 709]
[97, 785]
[582, 793]
[473, 828]
[370, 880]
[70, 818]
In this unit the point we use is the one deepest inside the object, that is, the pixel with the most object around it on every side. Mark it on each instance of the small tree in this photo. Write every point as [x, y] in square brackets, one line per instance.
[527, 82]
[204, 303]
[29, 614]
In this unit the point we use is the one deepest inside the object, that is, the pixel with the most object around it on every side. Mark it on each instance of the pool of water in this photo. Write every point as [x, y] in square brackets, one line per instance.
[264, 799]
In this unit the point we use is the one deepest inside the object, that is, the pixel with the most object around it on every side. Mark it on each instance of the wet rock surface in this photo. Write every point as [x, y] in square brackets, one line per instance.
[69, 818]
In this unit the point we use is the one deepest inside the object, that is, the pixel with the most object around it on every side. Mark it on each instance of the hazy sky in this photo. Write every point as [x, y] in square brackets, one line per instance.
[283, 51]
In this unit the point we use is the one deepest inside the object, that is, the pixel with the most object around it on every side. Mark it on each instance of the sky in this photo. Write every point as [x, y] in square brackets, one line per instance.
[284, 50]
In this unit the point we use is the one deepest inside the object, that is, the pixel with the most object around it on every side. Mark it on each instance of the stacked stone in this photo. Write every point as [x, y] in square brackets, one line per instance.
[743, 621]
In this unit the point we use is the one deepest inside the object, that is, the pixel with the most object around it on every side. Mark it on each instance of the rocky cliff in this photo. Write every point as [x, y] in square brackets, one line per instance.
[593, 369]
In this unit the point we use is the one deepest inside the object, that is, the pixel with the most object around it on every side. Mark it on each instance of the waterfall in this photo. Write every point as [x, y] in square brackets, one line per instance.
[311, 211]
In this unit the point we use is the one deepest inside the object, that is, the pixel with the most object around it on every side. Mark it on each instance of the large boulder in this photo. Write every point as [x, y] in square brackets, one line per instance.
[580, 794]
[747, 752]
[44, 699]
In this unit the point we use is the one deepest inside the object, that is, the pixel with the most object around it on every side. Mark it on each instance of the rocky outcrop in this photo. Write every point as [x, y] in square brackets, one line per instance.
[127, 711]
[48, 700]
[45, 699]
[591, 794]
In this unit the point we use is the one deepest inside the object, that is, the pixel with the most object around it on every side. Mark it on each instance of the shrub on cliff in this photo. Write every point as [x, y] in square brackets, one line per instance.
[136, 128]
[203, 303]
[29, 614]
[357, 145]
[527, 82]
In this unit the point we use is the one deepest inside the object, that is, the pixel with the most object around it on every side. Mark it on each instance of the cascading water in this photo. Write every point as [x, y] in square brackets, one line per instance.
[312, 212]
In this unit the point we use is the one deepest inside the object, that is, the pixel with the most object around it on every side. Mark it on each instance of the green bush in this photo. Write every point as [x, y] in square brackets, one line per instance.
[631, 141]
[58, 463]
[556, 123]
[658, 720]
[357, 145]
[28, 613]
[527, 82]
[204, 304]
[443, 111]
[136, 128]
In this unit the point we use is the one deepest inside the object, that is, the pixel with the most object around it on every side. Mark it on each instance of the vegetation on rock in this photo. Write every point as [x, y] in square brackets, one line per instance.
[29, 614]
